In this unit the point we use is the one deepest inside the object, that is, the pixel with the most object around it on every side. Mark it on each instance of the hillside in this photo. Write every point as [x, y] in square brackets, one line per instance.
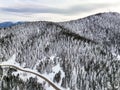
[77, 55]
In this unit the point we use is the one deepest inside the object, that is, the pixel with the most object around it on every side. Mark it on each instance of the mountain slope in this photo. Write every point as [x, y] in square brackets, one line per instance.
[79, 54]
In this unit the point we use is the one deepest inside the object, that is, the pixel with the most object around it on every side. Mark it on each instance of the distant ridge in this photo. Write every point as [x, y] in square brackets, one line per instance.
[8, 24]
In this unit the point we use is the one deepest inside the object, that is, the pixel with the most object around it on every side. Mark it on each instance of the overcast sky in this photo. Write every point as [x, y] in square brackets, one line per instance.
[54, 10]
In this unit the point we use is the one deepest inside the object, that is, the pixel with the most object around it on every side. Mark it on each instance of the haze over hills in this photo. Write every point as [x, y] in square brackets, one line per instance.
[81, 54]
[8, 24]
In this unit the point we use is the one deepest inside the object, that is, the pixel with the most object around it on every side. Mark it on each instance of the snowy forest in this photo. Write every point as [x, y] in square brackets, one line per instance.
[80, 54]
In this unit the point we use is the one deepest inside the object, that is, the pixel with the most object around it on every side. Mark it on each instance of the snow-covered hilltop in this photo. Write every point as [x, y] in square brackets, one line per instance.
[81, 54]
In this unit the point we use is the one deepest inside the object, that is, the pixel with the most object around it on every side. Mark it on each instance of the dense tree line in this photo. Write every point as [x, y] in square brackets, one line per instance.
[84, 49]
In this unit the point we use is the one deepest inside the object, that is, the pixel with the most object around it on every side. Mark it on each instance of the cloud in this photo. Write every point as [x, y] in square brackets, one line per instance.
[64, 11]
[57, 10]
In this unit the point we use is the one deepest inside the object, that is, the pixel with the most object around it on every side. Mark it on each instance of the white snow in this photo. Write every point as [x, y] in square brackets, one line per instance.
[52, 57]
[74, 78]
[118, 57]
[11, 61]
[25, 75]
[55, 70]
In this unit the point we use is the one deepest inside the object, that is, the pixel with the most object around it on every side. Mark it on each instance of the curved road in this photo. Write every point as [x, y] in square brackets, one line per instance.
[35, 73]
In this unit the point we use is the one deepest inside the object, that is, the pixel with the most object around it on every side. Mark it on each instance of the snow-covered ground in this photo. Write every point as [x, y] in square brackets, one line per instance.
[26, 73]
